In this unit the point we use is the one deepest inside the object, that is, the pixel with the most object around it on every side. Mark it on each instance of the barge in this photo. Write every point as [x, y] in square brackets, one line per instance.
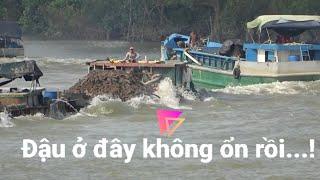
[34, 99]
[275, 53]
[175, 70]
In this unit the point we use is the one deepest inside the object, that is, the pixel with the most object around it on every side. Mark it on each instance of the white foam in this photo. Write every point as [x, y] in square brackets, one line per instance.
[98, 100]
[143, 99]
[35, 117]
[168, 95]
[81, 113]
[208, 99]
[41, 115]
[188, 95]
[5, 120]
[286, 88]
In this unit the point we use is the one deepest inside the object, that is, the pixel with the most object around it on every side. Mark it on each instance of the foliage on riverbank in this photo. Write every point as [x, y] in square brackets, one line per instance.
[143, 19]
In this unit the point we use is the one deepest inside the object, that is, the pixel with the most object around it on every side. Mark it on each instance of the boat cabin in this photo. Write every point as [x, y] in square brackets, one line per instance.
[281, 48]
[21, 97]
[178, 41]
[21, 101]
[280, 38]
[282, 52]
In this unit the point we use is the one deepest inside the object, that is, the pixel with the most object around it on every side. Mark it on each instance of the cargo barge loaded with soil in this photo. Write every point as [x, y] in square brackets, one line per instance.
[119, 80]
[125, 80]
[116, 78]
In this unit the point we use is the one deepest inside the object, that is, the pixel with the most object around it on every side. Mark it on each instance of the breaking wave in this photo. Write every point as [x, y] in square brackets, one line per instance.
[167, 94]
[285, 88]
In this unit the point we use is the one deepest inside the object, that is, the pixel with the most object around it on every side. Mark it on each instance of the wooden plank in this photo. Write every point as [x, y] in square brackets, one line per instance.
[138, 65]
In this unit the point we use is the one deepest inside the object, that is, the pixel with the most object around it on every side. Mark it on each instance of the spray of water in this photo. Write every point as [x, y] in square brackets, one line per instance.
[167, 94]
[5, 120]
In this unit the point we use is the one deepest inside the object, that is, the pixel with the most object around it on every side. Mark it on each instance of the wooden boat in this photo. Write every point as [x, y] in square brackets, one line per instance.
[35, 99]
[261, 62]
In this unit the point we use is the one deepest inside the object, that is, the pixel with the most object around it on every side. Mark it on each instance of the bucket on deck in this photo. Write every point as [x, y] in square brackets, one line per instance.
[50, 95]
[294, 58]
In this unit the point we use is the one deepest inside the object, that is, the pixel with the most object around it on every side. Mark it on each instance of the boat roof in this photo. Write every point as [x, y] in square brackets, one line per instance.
[26, 69]
[285, 21]
[172, 40]
[10, 29]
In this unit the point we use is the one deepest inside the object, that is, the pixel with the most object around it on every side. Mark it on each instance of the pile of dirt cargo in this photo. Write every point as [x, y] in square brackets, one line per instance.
[118, 84]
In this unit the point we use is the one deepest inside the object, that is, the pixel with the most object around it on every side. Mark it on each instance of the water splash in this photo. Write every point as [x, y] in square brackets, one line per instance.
[187, 94]
[167, 94]
[285, 88]
[105, 105]
[96, 101]
[143, 99]
[5, 120]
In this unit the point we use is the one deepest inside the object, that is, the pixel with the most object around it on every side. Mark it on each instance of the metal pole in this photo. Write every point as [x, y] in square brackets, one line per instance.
[5, 46]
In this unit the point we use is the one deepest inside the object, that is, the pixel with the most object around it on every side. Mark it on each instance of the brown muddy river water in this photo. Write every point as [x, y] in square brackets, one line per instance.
[289, 110]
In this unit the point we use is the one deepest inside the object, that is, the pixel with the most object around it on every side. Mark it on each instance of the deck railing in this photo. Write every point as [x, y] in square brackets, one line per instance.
[209, 60]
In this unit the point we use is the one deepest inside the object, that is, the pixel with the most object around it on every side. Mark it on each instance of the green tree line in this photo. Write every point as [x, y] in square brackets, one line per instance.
[136, 20]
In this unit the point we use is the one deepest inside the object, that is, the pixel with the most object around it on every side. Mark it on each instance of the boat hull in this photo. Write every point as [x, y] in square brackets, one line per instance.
[262, 63]
[207, 78]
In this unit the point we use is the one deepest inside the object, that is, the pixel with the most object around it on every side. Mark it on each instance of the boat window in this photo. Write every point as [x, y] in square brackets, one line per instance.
[269, 55]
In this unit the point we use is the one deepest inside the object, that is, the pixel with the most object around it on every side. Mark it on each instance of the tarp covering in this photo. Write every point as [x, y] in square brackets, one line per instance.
[291, 28]
[279, 19]
[10, 29]
[26, 69]
[171, 41]
[232, 47]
